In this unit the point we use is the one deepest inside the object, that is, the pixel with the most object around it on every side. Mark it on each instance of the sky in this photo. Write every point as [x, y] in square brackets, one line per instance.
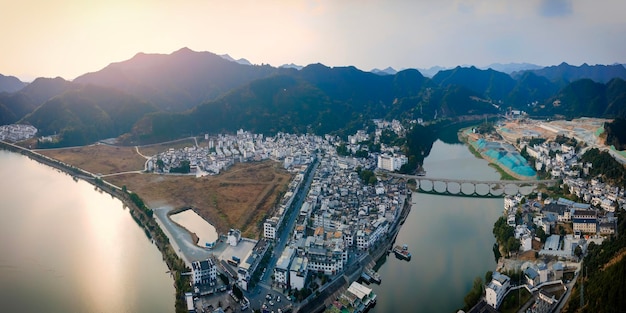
[67, 38]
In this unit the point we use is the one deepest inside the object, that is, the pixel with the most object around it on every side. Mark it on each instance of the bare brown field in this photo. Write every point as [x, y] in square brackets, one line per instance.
[151, 150]
[99, 158]
[238, 198]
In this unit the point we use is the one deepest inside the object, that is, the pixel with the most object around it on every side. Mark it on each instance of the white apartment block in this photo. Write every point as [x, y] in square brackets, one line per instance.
[203, 272]
[391, 163]
[298, 272]
[270, 227]
[281, 271]
[497, 288]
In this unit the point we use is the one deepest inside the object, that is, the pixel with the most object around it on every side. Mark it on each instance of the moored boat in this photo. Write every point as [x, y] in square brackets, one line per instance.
[373, 276]
[402, 252]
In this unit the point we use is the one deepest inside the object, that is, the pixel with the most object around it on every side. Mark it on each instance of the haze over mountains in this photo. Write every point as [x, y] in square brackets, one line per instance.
[156, 96]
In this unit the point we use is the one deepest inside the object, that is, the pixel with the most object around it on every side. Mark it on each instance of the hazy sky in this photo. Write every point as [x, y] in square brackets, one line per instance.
[70, 37]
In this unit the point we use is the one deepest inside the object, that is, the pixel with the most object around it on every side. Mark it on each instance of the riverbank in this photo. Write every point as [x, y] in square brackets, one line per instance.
[141, 215]
[505, 172]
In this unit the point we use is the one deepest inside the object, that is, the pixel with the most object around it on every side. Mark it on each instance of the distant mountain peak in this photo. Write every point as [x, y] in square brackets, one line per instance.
[291, 65]
[10, 83]
[388, 71]
[183, 50]
[241, 61]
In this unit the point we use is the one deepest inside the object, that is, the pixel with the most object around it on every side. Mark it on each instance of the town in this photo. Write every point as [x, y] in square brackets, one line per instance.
[335, 213]
[340, 211]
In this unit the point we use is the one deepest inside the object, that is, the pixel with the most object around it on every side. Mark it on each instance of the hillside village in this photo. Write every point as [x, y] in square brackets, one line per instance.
[553, 233]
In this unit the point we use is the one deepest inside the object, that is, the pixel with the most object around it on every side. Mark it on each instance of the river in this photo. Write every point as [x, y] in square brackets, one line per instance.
[450, 239]
[66, 247]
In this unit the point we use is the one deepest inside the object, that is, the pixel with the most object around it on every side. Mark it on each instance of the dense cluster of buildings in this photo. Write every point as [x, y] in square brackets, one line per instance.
[17, 132]
[223, 151]
[341, 214]
[342, 217]
[560, 160]
[356, 299]
[569, 227]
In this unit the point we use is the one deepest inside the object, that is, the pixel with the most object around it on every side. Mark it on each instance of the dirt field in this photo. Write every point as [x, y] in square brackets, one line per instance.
[99, 158]
[238, 198]
[583, 128]
[151, 150]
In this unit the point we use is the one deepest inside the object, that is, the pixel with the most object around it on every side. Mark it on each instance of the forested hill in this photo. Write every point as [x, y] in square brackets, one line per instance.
[616, 133]
[85, 114]
[188, 92]
[564, 73]
[604, 276]
[586, 98]
[14, 106]
[10, 83]
[178, 81]
[316, 99]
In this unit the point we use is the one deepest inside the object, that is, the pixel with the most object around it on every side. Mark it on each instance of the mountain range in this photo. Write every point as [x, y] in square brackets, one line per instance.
[153, 97]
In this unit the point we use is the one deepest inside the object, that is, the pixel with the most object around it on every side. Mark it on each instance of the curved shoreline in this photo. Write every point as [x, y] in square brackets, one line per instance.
[149, 224]
[471, 145]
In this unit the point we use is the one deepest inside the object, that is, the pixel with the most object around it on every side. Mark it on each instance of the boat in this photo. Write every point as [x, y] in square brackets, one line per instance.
[374, 277]
[402, 252]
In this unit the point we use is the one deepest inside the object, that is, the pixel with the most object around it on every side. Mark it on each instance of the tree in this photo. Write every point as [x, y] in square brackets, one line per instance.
[342, 150]
[513, 244]
[237, 292]
[488, 276]
[160, 164]
[541, 234]
[496, 252]
[578, 251]
[472, 298]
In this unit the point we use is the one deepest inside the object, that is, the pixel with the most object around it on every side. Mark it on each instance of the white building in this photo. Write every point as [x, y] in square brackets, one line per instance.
[203, 272]
[298, 272]
[269, 228]
[391, 163]
[497, 288]
[585, 221]
[281, 271]
[234, 236]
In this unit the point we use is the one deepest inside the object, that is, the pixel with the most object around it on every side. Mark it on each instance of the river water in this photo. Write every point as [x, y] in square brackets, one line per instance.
[450, 239]
[65, 247]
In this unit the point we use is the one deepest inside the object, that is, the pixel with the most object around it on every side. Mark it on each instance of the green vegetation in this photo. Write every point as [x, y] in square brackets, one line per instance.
[390, 138]
[183, 168]
[616, 133]
[237, 292]
[87, 114]
[505, 236]
[485, 128]
[342, 150]
[605, 166]
[503, 174]
[514, 300]
[586, 97]
[367, 177]
[419, 141]
[603, 275]
[474, 295]
[561, 139]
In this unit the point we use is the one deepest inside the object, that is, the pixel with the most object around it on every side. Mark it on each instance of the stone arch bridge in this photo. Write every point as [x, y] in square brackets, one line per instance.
[475, 188]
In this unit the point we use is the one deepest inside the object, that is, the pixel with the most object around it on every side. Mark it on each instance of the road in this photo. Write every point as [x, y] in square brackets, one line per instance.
[258, 294]
[179, 238]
